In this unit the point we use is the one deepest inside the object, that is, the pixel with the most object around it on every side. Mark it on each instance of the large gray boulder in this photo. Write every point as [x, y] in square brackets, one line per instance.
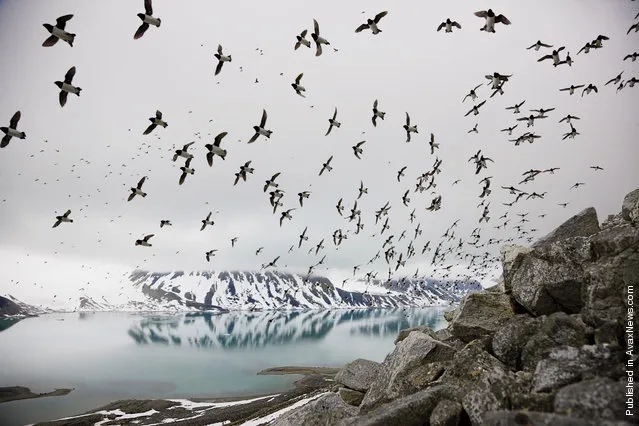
[510, 339]
[415, 362]
[411, 410]
[325, 410]
[486, 382]
[358, 375]
[531, 418]
[600, 398]
[583, 224]
[556, 330]
[511, 257]
[630, 206]
[551, 278]
[569, 365]
[481, 313]
[350, 396]
[422, 329]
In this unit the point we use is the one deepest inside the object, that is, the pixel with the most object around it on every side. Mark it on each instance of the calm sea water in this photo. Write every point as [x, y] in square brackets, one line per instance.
[111, 356]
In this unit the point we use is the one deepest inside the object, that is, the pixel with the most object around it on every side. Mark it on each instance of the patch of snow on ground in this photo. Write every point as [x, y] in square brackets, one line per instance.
[275, 415]
[190, 405]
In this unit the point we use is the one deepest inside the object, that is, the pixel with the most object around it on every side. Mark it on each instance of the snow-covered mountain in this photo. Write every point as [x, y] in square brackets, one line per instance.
[237, 290]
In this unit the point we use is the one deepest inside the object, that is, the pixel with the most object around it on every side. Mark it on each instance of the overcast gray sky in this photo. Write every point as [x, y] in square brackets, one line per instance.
[87, 155]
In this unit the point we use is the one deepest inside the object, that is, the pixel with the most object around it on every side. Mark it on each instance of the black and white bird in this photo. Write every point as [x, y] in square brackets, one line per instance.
[66, 87]
[571, 89]
[475, 109]
[588, 89]
[516, 107]
[538, 45]
[207, 221]
[357, 149]
[271, 182]
[144, 241]
[186, 170]
[326, 166]
[58, 32]
[301, 40]
[472, 95]
[409, 129]
[155, 121]
[372, 23]
[260, 130]
[298, 87]
[554, 56]
[286, 215]
[12, 130]
[377, 113]
[221, 58]
[491, 20]
[448, 24]
[63, 218]
[319, 40]
[137, 190]
[147, 19]
[215, 149]
[333, 122]
[183, 152]
[210, 254]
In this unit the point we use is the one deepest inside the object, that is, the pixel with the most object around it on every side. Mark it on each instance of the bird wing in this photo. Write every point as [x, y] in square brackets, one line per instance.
[61, 22]
[218, 68]
[361, 28]
[380, 15]
[254, 138]
[219, 138]
[407, 119]
[335, 114]
[50, 41]
[456, 24]
[182, 177]
[316, 27]
[502, 19]
[148, 237]
[150, 128]
[5, 141]
[330, 127]
[63, 97]
[141, 30]
[480, 104]
[186, 147]
[68, 77]
[543, 58]
[141, 182]
[263, 120]
[219, 49]
[13, 123]
[148, 7]
[482, 14]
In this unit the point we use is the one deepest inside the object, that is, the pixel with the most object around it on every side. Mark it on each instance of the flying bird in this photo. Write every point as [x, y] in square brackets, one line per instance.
[144, 241]
[66, 87]
[615, 80]
[260, 130]
[571, 89]
[58, 33]
[538, 45]
[286, 214]
[207, 221]
[409, 129]
[358, 150]
[298, 87]
[302, 195]
[186, 170]
[147, 18]
[491, 20]
[472, 93]
[377, 113]
[318, 39]
[475, 109]
[326, 166]
[221, 58]
[554, 56]
[333, 122]
[372, 23]
[301, 40]
[271, 181]
[448, 24]
[588, 89]
[12, 130]
[137, 190]
[214, 149]
[516, 107]
[183, 152]
[155, 121]
[210, 254]
[63, 218]
[634, 26]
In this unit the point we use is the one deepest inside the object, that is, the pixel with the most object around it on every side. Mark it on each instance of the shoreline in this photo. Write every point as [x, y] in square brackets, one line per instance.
[206, 410]
[16, 393]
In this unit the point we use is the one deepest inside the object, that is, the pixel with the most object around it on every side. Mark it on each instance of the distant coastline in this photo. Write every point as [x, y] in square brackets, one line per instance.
[14, 393]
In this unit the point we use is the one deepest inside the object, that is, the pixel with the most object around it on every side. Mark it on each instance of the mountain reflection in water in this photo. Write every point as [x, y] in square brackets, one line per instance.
[243, 329]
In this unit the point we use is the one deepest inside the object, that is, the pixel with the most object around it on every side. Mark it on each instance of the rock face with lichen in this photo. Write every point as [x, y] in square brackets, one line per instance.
[547, 346]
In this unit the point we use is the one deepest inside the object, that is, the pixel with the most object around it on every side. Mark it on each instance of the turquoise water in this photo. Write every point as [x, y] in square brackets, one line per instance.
[111, 356]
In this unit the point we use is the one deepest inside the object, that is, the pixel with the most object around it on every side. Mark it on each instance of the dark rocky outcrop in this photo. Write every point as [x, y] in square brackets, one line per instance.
[545, 346]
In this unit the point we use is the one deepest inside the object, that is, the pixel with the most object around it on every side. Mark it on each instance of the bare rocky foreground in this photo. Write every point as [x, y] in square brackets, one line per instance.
[546, 346]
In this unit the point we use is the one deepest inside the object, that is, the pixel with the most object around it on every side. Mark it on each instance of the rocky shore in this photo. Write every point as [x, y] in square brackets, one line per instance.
[13, 393]
[546, 346]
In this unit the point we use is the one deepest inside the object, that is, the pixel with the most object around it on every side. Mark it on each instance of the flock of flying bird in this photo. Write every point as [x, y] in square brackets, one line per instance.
[395, 256]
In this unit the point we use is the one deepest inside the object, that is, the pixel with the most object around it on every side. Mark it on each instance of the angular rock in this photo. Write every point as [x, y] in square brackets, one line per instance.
[510, 339]
[350, 396]
[551, 278]
[449, 315]
[358, 375]
[481, 313]
[411, 410]
[422, 329]
[599, 398]
[514, 418]
[446, 413]
[630, 206]
[415, 362]
[556, 330]
[511, 257]
[325, 410]
[569, 365]
[583, 224]
[486, 382]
